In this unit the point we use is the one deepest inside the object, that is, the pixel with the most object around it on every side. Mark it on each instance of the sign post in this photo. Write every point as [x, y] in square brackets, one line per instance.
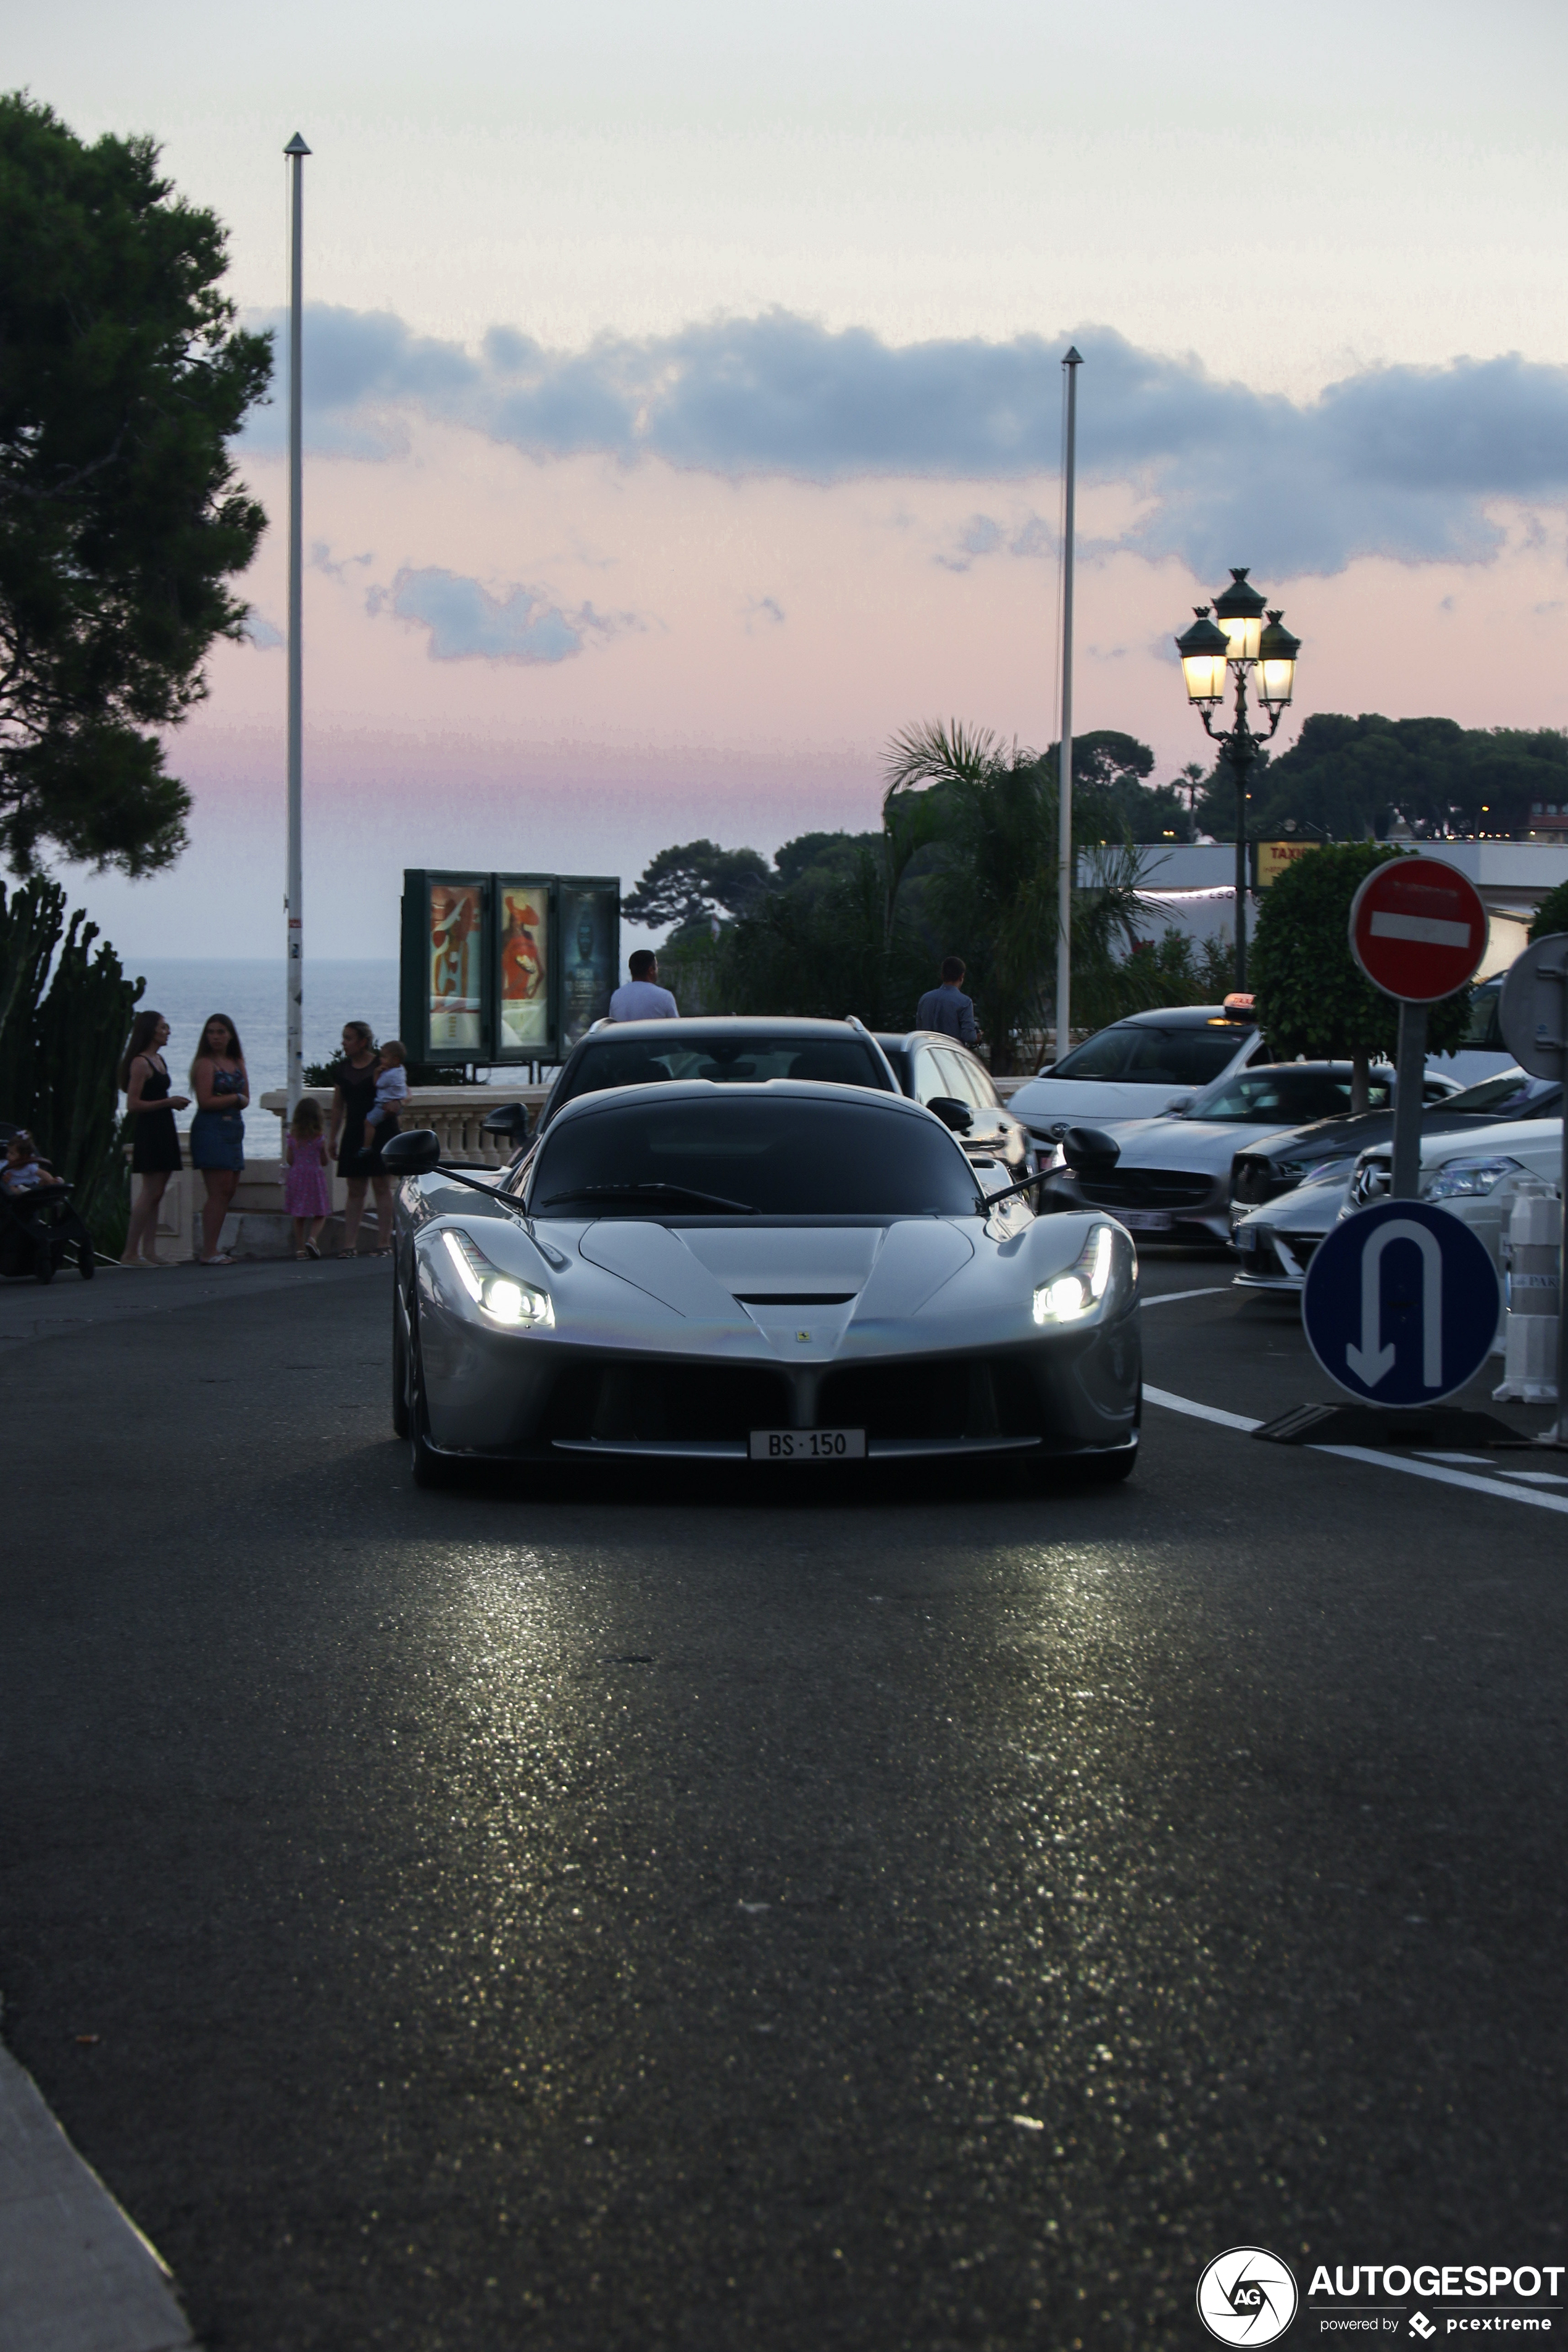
[1418, 930]
[1401, 1301]
[1534, 1017]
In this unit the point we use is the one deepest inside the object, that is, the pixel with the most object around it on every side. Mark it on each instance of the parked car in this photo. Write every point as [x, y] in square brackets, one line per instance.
[949, 1080]
[1268, 1168]
[720, 1049]
[1274, 1244]
[1475, 1175]
[783, 1273]
[1139, 1066]
[1173, 1175]
[1484, 1054]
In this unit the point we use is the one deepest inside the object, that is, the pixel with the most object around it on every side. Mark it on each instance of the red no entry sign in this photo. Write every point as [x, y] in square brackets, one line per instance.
[1418, 929]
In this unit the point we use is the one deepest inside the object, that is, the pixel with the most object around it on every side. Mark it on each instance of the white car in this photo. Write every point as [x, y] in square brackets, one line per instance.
[1275, 1243]
[1139, 1067]
[1474, 1176]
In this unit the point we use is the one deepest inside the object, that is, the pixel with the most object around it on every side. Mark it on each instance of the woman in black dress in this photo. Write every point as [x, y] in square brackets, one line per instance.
[352, 1095]
[154, 1143]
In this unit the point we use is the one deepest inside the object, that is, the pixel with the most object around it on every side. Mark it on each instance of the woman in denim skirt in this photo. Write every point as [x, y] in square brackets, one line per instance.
[217, 1131]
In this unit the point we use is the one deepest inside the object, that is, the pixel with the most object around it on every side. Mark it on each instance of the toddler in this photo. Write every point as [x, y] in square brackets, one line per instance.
[23, 1171]
[306, 1195]
[391, 1089]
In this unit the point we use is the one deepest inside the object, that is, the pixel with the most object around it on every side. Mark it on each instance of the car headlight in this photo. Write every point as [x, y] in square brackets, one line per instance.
[1069, 1296]
[1469, 1179]
[500, 1295]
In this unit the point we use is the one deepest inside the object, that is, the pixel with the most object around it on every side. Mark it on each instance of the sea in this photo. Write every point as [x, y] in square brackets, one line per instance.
[188, 990]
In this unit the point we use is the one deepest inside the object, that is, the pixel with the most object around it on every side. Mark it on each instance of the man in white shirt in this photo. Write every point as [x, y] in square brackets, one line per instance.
[642, 999]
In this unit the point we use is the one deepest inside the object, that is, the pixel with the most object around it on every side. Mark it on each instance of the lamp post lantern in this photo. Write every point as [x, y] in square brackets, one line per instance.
[1241, 639]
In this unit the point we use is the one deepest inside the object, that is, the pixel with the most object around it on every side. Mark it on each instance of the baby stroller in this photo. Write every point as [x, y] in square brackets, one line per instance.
[40, 1231]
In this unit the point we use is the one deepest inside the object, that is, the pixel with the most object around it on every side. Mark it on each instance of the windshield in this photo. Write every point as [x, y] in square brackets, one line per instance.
[1510, 1095]
[787, 1156]
[1485, 1028]
[1141, 1055]
[1287, 1097]
[730, 1057]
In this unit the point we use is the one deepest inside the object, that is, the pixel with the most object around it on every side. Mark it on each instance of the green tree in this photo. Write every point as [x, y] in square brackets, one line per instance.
[1551, 915]
[1312, 995]
[122, 377]
[690, 882]
[1355, 777]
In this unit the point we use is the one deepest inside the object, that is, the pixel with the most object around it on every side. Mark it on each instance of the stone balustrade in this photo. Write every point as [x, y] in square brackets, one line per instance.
[457, 1113]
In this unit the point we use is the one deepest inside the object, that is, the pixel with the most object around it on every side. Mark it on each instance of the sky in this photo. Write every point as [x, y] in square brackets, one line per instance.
[683, 398]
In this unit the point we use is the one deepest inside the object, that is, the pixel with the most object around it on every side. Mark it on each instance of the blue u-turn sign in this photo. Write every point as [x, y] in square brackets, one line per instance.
[1401, 1304]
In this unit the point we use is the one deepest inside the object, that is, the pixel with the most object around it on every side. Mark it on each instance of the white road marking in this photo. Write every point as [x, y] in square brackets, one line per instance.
[1168, 1297]
[1201, 1412]
[1536, 1477]
[1411, 1469]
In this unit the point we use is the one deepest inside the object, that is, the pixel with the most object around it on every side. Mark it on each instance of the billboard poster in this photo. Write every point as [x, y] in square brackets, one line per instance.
[587, 952]
[454, 937]
[523, 976]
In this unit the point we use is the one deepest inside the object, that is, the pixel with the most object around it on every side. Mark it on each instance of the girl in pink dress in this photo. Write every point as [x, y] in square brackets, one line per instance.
[306, 1195]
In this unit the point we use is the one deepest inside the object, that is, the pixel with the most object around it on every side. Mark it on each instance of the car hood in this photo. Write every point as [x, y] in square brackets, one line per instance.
[1309, 1209]
[1534, 1141]
[1194, 1143]
[1329, 1138]
[825, 1278]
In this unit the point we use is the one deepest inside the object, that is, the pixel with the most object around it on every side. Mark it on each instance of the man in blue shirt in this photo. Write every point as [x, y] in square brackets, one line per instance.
[947, 1008]
[642, 999]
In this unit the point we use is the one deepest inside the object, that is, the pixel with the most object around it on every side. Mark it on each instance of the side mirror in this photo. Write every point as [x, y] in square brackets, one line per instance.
[1178, 1107]
[1045, 1069]
[953, 1113]
[1089, 1149]
[510, 1118]
[415, 1153]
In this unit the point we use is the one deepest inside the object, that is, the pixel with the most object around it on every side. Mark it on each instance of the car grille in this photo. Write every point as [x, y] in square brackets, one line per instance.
[968, 1397]
[1371, 1182]
[668, 1401]
[1147, 1187]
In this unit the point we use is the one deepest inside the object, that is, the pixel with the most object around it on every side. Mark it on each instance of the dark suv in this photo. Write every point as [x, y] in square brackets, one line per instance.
[725, 1048]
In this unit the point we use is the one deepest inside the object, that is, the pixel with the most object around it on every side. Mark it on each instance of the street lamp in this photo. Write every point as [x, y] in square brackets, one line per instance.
[1241, 637]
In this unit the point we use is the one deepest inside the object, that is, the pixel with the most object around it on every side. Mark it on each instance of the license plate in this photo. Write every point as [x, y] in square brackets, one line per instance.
[808, 1445]
[1146, 1221]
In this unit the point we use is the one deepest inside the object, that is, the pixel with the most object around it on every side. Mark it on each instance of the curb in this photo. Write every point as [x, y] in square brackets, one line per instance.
[76, 2274]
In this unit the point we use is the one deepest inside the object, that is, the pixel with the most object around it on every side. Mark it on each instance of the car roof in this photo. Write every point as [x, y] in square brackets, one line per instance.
[903, 1038]
[693, 1024]
[1182, 1016]
[747, 1090]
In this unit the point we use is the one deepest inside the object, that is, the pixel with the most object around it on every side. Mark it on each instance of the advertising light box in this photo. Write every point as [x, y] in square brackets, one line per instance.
[501, 968]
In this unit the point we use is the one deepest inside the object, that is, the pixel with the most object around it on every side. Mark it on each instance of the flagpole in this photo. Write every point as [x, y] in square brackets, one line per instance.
[294, 1079]
[1070, 365]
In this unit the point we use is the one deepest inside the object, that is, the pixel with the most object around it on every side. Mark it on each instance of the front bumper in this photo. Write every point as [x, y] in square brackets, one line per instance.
[539, 1397]
[1270, 1259]
[1154, 1204]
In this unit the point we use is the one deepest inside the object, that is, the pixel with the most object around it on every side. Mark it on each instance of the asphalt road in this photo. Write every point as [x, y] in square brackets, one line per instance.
[652, 1915]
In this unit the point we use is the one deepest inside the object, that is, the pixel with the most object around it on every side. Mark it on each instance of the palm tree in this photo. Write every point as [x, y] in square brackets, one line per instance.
[997, 813]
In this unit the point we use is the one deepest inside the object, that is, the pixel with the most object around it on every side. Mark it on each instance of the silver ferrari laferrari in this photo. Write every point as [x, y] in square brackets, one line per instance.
[793, 1272]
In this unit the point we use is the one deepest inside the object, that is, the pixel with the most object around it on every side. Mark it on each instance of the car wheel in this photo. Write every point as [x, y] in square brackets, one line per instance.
[399, 1369]
[429, 1467]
